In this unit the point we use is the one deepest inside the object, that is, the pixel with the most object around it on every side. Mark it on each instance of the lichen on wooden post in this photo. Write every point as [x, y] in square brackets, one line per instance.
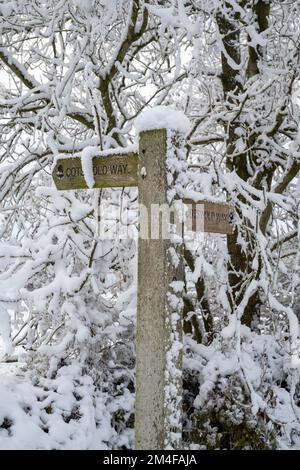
[158, 409]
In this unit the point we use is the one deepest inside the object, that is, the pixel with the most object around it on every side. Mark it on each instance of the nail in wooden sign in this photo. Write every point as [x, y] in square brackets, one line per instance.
[209, 216]
[109, 172]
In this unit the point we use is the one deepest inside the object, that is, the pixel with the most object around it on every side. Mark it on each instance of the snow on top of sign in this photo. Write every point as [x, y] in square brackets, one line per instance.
[87, 156]
[118, 151]
[97, 152]
[162, 117]
[195, 196]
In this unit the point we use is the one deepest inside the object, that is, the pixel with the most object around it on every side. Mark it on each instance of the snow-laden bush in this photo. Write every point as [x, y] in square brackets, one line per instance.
[65, 412]
[241, 401]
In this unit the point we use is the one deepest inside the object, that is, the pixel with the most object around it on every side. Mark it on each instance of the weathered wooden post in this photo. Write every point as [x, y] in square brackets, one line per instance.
[158, 409]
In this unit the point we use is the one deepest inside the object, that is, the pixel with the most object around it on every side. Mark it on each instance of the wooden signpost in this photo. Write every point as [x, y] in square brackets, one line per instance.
[158, 411]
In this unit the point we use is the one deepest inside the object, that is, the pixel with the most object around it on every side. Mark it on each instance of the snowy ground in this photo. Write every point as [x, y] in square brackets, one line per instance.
[67, 415]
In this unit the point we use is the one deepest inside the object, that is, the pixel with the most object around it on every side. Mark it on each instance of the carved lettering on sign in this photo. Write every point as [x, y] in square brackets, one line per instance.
[109, 172]
[209, 216]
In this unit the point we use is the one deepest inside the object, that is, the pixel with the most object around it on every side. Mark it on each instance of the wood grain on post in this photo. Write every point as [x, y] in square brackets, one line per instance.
[154, 314]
